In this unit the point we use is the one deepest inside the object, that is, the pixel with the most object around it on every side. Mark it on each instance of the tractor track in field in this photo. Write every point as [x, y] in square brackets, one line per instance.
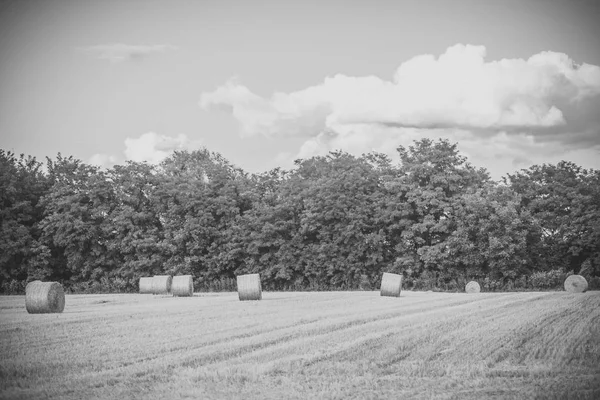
[278, 343]
[514, 339]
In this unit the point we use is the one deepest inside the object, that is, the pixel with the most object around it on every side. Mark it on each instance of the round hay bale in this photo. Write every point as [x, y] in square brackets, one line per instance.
[146, 285]
[249, 287]
[44, 297]
[576, 284]
[183, 286]
[472, 287]
[391, 284]
[161, 284]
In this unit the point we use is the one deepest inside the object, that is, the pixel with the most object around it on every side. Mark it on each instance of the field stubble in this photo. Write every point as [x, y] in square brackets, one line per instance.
[326, 345]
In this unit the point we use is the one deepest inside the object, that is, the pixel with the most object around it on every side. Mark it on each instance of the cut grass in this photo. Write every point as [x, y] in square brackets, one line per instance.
[330, 345]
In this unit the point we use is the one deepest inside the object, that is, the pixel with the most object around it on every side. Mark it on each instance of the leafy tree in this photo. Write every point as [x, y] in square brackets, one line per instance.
[431, 178]
[341, 235]
[75, 214]
[22, 184]
[266, 237]
[491, 236]
[200, 197]
[336, 221]
[133, 232]
[564, 199]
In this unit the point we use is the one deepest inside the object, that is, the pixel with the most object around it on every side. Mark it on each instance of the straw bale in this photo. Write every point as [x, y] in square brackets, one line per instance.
[249, 287]
[391, 284]
[161, 284]
[472, 287]
[576, 284]
[183, 286]
[146, 285]
[44, 297]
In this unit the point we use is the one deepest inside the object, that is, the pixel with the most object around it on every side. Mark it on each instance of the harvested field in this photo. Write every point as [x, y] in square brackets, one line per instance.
[327, 345]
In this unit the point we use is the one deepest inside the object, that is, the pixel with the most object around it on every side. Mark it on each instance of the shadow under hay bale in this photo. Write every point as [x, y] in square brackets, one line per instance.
[182, 286]
[44, 297]
[146, 285]
[161, 284]
[249, 287]
[472, 287]
[576, 284]
[391, 284]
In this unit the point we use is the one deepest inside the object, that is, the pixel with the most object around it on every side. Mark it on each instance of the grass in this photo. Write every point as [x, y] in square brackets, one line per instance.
[327, 345]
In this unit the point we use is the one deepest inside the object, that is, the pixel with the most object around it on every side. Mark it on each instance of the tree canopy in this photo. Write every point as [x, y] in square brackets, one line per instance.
[331, 222]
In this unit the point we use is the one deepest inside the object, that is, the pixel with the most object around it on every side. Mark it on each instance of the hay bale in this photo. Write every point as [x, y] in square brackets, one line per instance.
[183, 286]
[472, 287]
[576, 284]
[161, 284]
[44, 297]
[391, 284]
[249, 287]
[146, 285]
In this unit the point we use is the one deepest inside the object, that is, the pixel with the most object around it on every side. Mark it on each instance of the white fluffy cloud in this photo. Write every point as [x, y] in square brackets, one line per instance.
[119, 52]
[458, 95]
[103, 160]
[154, 148]
[457, 89]
[149, 147]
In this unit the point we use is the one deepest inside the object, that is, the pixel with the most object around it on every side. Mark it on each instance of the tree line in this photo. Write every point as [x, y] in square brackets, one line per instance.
[334, 222]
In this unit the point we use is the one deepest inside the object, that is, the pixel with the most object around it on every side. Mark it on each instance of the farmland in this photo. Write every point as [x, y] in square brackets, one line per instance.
[296, 345]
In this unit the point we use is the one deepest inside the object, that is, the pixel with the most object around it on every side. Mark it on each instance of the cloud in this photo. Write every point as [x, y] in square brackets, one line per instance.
[120, 52]
[458, 89]
[294, 114]
[103, 160]
[154, 148]
[547, 98]
[149, 147]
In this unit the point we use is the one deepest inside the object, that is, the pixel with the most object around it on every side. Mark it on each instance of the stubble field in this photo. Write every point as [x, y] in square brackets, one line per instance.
[327, 345]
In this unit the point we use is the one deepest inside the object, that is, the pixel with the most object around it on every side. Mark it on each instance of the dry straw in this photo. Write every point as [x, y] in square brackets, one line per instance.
[161, 284]
[576, 284]
[146, 285]
[44, 297]
[391, 284]
[183, 286]
[472, 287]
[249, 287]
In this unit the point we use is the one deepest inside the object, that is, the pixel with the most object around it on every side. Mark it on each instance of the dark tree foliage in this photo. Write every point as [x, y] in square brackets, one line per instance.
[265, 239]
[199, 199]
[133, 232]
[74, 221]
[431, 180]
[332, 222]
[341, 236]
[564, 199]
[491, 236]
[22, 256]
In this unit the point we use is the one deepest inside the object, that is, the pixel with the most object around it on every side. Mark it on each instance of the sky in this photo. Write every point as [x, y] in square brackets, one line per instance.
[513, 83]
